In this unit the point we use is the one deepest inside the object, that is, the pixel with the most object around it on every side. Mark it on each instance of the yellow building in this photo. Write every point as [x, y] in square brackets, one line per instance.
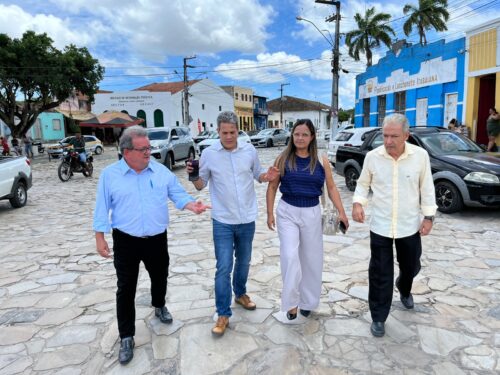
[482, 73]
[243, 105]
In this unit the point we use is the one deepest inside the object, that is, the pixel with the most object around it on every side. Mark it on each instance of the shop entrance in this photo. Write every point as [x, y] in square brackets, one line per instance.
[486, 101]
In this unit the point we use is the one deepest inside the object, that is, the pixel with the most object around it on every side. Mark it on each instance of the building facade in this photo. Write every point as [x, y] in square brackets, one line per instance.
[260, 112]
[482, 70]
[243, 105]
[293, 109]
[162, 104]
[425, 83]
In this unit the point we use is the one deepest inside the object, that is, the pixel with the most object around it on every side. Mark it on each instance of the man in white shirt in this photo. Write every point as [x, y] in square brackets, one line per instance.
[230, 168]
[399, 175]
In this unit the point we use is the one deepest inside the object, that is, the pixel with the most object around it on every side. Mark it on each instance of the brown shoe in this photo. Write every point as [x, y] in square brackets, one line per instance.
[220, 326]
[246, 302]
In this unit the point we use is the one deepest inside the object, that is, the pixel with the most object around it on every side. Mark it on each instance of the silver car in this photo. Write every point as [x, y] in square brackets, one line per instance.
[170, 145]
[270, 137]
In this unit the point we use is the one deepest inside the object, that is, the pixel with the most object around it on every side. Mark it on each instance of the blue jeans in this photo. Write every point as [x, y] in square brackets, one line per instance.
[82, 156]
[231, 239]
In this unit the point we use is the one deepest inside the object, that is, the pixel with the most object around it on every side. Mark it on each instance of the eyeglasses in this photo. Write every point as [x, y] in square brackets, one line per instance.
[144, 150]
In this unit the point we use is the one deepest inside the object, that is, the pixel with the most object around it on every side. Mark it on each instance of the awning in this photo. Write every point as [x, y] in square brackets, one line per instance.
[111, 120]
[76, 115]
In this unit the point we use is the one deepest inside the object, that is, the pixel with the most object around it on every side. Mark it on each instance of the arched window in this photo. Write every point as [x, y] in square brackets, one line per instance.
[158, 114]
[142, 114]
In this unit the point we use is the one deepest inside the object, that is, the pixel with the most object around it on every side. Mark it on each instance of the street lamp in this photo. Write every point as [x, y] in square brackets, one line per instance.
[334, 119]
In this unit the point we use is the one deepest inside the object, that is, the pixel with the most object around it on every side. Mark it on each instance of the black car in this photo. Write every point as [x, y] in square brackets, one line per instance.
[463, 173]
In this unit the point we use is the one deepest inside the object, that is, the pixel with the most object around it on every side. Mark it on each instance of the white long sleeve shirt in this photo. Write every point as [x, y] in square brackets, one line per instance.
[402, 189]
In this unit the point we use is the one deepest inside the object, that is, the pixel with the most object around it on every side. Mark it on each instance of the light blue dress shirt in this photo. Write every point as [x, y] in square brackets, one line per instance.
[230, 176]
[137, 203]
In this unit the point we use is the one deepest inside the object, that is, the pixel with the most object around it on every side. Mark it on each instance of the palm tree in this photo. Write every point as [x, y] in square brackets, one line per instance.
[429, 14]
[371, 32]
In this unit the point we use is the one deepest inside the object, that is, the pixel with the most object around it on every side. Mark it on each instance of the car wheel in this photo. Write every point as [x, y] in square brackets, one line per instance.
[169, 160]
[351, 178]
[20, 196]
[98, 150]
[269, 143]
[448, 198]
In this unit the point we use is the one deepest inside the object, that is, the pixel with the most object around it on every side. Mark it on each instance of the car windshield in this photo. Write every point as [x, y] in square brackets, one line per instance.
[343, 136]
[266, 131]
[213, 135]
[448, 143]
[158, 135]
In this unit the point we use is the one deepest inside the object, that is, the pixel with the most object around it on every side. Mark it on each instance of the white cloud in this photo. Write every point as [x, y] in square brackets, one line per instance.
[155, 29]
[275, 67]
[62, 31]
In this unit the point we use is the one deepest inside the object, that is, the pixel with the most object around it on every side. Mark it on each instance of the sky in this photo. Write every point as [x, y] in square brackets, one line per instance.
[250, 43]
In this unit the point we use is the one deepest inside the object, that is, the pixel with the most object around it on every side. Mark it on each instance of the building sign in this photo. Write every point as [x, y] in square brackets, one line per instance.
[121, 101]
[432, 72]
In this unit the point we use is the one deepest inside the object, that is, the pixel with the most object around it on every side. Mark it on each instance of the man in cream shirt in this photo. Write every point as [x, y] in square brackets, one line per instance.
[403, 208]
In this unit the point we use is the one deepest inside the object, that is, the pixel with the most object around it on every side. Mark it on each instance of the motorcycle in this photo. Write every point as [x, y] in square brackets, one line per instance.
[41, 148]
[70, 164]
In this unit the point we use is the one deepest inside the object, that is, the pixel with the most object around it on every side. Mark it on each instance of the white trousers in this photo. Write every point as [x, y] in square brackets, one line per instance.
[301, 255]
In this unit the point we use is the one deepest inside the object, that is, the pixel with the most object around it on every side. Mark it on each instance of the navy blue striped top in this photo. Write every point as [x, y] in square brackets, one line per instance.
[299, 187]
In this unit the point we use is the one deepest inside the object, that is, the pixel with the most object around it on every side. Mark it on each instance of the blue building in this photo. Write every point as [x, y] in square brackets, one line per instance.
[425, 83]
[260, 112]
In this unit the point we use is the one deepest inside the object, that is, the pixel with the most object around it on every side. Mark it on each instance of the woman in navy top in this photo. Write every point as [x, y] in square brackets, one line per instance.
[298, 214]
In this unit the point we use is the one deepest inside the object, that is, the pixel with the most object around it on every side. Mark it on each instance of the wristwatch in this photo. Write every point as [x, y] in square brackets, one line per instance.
[431, 218]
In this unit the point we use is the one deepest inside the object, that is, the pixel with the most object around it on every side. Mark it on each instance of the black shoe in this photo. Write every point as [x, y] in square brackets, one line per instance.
[291, 316]
[305, 313]
[163, 314]
[406, 301]
[377, 329]
[126, 350]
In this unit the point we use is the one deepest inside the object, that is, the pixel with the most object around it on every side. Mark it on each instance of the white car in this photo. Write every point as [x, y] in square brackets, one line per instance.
[346, 137]
[242, 137]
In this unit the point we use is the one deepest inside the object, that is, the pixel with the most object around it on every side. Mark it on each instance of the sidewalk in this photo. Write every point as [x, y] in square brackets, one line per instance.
[57, 297]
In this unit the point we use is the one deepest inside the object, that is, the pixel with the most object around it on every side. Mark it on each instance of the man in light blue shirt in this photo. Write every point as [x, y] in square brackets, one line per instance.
[230, 168]
[132, 199]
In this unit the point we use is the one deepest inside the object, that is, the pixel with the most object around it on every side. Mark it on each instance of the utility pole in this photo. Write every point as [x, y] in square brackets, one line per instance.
[281, 104]
[185, 103]
[334, 117]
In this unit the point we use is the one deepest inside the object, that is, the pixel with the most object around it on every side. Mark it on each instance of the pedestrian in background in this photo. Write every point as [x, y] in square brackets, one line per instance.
[131, 201]
[229, 168]
[399, 175]
[5, 146]
[28, 145]
[298, 218]
[493, 128]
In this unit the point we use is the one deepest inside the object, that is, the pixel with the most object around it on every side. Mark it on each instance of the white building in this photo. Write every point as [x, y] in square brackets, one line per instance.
[161, 104]
[295, 109]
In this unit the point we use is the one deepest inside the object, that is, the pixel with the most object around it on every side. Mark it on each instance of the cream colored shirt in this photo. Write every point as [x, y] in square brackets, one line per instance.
[402, 189]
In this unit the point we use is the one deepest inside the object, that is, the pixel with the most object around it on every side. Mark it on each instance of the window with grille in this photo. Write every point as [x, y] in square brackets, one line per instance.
[400, 102]
[381, 109]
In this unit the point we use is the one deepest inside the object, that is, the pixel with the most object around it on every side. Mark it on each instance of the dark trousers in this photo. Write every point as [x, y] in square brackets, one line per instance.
[381, 270]
[129, 251]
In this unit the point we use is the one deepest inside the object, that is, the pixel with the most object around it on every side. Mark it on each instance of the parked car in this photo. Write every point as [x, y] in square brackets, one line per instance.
[464, 174]
[170, 145]
[203, 135]
[15, 179]
[346, 137]
[92, 144]
[270, 137]
[242, 137]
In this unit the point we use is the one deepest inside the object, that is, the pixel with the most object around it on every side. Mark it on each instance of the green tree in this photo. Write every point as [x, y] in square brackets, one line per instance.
[346, 114]
[35, 77]
[371, 32]
[429, 14]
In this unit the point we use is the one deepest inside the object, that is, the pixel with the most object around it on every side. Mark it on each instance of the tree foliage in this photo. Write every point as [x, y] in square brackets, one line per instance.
[345, 115]
[429, 14]
[35, 77]
[372, 31]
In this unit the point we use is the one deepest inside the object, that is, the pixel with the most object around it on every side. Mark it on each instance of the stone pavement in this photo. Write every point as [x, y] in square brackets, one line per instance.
[57, 297]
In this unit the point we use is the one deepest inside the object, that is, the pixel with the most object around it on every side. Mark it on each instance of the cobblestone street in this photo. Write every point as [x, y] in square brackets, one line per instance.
[57, 296]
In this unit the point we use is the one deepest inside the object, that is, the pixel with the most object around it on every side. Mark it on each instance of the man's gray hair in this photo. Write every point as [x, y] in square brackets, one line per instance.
[129, 134]
[227, 117]
[398, 119]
